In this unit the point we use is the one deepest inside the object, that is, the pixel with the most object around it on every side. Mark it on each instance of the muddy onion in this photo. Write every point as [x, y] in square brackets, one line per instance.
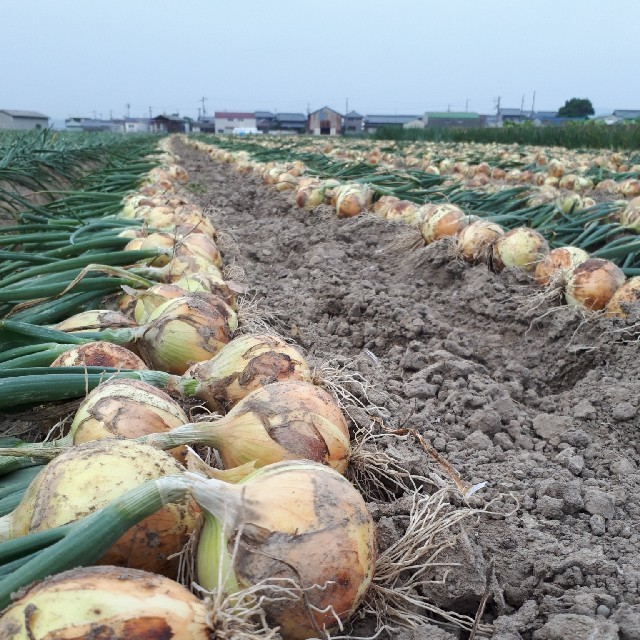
[592, 284]
[475, 241]
[627, 294]
[553, 268]
[521, 248]
[443, 220]
[244, 365]
[106, 602]
[295, 520]
[99, 354]
[87, 477]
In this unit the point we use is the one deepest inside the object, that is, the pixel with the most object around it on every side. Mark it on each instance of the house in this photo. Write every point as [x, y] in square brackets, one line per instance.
[627, 114]
[550, 119]
[290, 122]
[452, 119]
[353, 123]
[204, 124]
[265, 121]
[514, 116]
[169, 124]
[374, 122]
[15, 119]
[136, 125]
[325, 122]
[227, 121]
[79, 123]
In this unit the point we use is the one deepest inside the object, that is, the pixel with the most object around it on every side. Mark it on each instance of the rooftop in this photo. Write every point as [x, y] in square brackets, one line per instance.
[457, 115]
[235, 114]
[377, 119]
[297, 117]
[16, 113]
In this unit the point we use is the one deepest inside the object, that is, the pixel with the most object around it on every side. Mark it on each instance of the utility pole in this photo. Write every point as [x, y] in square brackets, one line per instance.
[198, 113]
[497, 101]
[308, 109]
[346, 110]
[466, 105]
[448, 108]
[522, 104]
[110, 114]
[150, 113]
[204, 108]
[128, 109]
[533, 102]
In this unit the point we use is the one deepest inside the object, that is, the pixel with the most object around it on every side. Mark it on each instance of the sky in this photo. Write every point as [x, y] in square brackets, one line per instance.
[93, 57]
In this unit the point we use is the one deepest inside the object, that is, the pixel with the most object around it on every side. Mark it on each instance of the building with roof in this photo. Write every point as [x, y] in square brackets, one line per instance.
[135, 125]
[290, 122]
[325, 122]
[169, 124]
[353, 123]
[418, 123]
[514, 116]
[79, 123]
[375, 122]
[227, 121]
[22, 120]
[452, 119]
[627, 114]
[265, 121]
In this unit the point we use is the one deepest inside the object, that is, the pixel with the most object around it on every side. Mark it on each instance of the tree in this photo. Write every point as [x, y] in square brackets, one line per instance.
[576, 108]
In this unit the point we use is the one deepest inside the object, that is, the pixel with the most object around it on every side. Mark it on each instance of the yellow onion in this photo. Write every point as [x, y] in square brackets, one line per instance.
[99, 354]
[629, 188]
[293, 520]
[521, 248]
[87, 477]
[201, 245]
[192, 216]
[105, 602]
[351, 199]
[382, 206]
[96, 320]
[404, 211]
[630, 216]
[158, 240]
[131, 233]
[310, 196]
[627, 294]
[212, 282]
[475, 241]
[125, 409]
[131, 202]
[178, 173]
[181, 266]
[570, 202]
[158, 216]
[443, 220]
[286, 182]
[607, 186]
[244, 365]
[184, 331]
[553, 268]
[592, 284]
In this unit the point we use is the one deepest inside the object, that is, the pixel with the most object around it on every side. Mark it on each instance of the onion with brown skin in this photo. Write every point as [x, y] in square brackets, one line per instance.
[87, 477]
[404, 211]
[382, 206]
[443, 220]
[553, 268]
[105, 602]
[295, 521]
[626, 294]
[592, 284]
[521, 248]
[96, 320]
[99, 354]
[475, 241]
[351, 199]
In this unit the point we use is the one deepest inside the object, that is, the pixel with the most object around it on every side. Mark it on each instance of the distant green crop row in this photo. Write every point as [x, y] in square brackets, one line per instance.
[587, 135]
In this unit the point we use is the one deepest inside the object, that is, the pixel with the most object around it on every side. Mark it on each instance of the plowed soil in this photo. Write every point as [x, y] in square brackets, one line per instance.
[541, 405]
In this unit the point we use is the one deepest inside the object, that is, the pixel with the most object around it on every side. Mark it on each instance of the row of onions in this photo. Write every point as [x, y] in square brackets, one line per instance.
[568, 272]
[278, 533]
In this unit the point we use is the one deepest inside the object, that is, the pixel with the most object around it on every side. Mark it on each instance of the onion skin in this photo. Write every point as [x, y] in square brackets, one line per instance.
[443, 220]
[592, 284]
[244, 365]
[306, 523]
[404, 211]
[628, 293]
[105, 602]
[91, 321]
[553, 268]
[475, 241]
[86, 478]
[99, 354]
[520, 248]
[382, 206]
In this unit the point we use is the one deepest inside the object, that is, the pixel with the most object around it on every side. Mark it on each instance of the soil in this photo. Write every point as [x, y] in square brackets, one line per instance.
[540, 404]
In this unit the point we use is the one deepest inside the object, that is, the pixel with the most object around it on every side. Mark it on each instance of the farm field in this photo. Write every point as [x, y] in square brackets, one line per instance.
[519, 413]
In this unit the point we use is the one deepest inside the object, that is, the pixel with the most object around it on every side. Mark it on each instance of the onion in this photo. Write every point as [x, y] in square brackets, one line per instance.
[476, 240]
[520, 248]
[99, 354]
[404, 211]
[592, 284]
[626, 294]
[382, 206]
[630, 216]
[351, 199]
[158, 240]
[86, 478]
[92, 321]
[244, 365]
[184, 331]
[310, 196]
[443, 220]
[553, 268]
[105, 603]
[211, 282]
[295, 520]
[201, 245]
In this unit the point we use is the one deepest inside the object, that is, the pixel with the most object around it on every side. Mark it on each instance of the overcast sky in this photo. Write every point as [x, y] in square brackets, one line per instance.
[86, 57]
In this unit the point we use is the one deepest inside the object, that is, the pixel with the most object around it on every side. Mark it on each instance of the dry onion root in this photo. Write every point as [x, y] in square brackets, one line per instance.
[592, 284]
[106, 602]
[86, 478]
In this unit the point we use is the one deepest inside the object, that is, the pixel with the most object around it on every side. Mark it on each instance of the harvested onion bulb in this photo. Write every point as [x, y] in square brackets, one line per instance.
[592, 284]
[627, 294]
[520, 248]
[99, 354]
[443, 220]
[475, 241]
[553, 268]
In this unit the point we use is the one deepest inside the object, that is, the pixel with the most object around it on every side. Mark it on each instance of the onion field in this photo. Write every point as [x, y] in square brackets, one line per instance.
[308, 388]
